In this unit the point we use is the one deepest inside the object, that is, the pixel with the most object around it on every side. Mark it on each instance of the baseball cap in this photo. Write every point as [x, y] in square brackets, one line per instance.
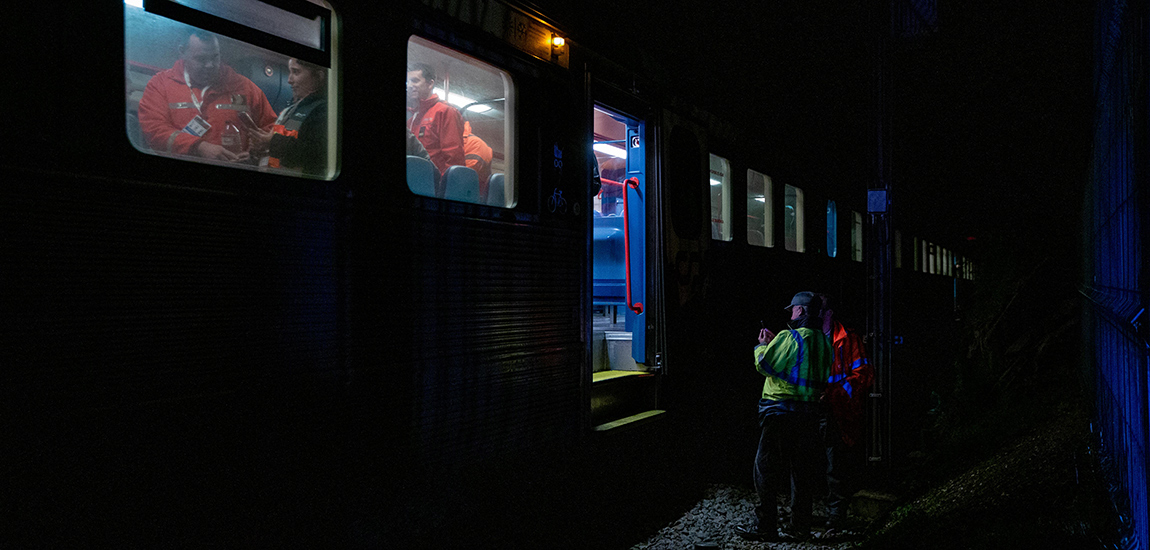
[806, 299]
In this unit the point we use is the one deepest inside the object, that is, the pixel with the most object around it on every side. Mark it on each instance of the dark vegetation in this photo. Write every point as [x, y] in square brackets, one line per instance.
[1009, 461]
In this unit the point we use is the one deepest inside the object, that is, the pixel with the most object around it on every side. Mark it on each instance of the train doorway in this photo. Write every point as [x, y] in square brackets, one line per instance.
[624, 378]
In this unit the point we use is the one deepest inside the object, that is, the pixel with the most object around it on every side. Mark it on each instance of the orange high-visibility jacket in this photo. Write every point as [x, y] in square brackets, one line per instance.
[477, 155]
[850, 380]
[439, 128]
[167, 107]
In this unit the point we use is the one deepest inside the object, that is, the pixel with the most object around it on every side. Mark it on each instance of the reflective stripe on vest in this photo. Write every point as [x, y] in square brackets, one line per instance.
[290, 128]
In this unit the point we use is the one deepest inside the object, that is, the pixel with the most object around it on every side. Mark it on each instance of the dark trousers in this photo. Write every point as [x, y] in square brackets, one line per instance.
[788, 446]
[842, 469]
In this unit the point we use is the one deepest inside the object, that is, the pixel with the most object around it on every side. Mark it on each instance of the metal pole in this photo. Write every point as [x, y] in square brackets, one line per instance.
[879, 252]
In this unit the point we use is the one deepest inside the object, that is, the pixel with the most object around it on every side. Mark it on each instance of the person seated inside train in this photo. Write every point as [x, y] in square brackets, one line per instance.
[195, 107]
[437, 125]
[477, 156]
[298, 139]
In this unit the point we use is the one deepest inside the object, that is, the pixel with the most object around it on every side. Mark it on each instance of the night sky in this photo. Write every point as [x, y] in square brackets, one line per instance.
[990, 114]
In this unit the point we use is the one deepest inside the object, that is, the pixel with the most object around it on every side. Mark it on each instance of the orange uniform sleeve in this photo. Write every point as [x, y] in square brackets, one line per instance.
[157, 122]
[451, 140]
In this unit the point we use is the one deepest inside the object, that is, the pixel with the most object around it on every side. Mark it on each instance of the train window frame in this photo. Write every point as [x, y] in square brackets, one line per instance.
[794, 237]
[856, 236]
[442, 187]
[832, 229]
[154, 32]
[721, 225]
[760, 191]
[897, 249]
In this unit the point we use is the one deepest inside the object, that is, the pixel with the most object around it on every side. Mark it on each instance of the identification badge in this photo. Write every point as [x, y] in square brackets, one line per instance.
[197, 126]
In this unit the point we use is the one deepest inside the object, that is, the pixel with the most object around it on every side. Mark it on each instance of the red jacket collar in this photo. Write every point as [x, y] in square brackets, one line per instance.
[839, 332]
[425, 104]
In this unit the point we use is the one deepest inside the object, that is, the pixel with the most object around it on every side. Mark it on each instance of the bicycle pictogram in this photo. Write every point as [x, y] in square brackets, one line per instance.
[556, 202]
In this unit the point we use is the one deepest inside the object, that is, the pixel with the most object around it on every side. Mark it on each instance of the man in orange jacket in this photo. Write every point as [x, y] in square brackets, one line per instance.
[477, 156]
[438, 125]
[847, 388]
[185, 110]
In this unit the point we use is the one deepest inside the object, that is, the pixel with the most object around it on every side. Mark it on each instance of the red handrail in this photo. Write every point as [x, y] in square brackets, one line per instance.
[633, 183]
[606, 181]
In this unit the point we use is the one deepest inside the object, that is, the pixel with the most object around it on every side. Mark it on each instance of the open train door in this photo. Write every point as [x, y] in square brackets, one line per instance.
[625, 356]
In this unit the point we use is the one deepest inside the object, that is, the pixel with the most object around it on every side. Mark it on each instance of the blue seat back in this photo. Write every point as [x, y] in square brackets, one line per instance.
[421, 176]
[461, 184]
[496, 191]
[609, 266]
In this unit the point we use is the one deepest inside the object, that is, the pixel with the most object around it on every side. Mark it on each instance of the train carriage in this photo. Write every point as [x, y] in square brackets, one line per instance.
[217, 350]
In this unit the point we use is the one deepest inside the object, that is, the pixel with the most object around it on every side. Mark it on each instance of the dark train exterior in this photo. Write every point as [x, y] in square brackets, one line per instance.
[201, 353]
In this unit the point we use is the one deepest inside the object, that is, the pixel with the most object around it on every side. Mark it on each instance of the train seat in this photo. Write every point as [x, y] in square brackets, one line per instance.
[422, 176]
[461, 184]
[496, 191]
[610, 277]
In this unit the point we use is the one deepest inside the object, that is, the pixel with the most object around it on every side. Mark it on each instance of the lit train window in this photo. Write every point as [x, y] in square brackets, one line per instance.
[460, 127]
[856, 236]
[793, 219]
[236, 83]
[832, 229]
[760, 210]
[720, 184]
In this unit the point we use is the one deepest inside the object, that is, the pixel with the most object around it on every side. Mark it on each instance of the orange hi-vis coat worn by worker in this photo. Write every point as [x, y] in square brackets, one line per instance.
[439, 128]
[477, 156]
[849, 383]
[169, 105]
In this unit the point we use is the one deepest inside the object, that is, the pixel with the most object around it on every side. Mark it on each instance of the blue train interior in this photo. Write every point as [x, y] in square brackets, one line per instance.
[152, 44]
[483, 96]
[619, 271]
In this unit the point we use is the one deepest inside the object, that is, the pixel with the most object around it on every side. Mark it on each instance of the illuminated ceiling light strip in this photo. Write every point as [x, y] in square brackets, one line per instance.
[461, 101]
[610, 150]
[135, 3]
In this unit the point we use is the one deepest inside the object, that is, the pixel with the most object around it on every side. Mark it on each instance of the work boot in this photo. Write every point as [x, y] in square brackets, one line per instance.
[758, 531]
